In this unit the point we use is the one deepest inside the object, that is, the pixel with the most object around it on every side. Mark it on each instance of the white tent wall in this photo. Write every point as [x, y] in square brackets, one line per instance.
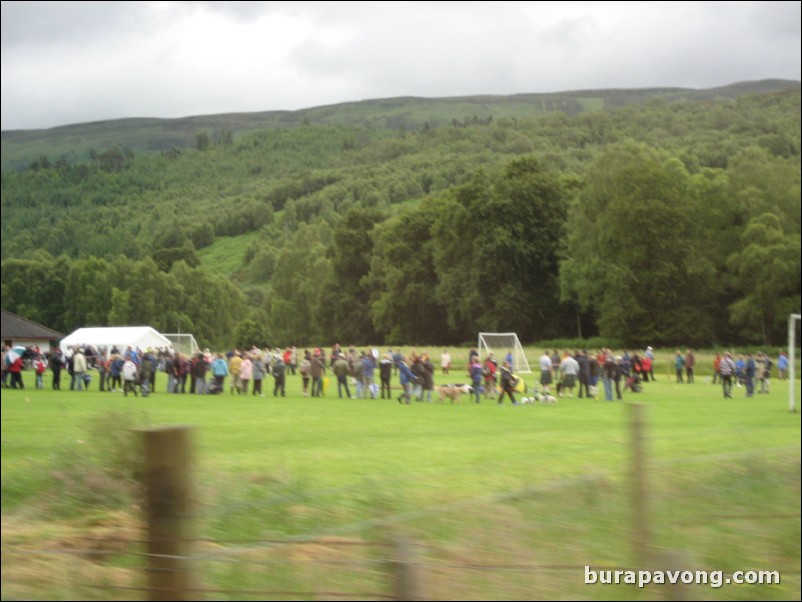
[122, 337]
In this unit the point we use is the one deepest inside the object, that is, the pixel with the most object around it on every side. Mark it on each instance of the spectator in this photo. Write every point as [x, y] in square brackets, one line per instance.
[716, 368]
[445, 361]
[727, 368]
[679, 365]
[507, 383]
[246, 372]
[406, 377]
[40, 365]
[782, 365]
[385, 373]
[130, 372]
[647, 368]
[259, 374]
[690, 363]
[219, 372]
[569, 369]
[279, 370]
[303, 369]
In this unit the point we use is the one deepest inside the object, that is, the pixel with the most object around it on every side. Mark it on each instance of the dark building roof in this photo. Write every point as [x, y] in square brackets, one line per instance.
[13, 326]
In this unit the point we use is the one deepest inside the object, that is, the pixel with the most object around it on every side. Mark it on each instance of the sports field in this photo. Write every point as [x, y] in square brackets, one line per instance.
[302, 494]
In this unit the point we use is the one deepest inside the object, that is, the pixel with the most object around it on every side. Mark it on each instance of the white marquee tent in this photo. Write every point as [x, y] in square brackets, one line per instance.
[121, 337]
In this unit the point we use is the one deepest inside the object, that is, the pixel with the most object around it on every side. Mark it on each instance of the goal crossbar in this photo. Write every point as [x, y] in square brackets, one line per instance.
[502, 343]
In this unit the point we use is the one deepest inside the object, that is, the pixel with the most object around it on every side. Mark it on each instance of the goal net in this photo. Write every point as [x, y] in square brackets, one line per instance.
[184, 343]
[500, 344]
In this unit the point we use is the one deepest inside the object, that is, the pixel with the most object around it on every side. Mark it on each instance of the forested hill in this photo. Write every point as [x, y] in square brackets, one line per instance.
[140, 135]
[658, 222]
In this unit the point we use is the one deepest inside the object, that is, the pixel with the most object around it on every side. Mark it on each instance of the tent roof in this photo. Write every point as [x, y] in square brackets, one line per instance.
[121, 336]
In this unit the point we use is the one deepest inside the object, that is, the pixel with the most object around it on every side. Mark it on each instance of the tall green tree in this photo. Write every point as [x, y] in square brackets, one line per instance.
[349, 294]
[768, 270]
[403, 278]
[634, 253]
[496, 252]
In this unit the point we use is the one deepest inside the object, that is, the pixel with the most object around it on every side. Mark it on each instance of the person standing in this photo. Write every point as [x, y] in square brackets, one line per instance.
[619, 373]
[782, 365]
[56, 364]
[765, 372]
[15, 370]
[258, 374]
[279, 370]
[445, 361]
[649, 355]
[679, 364]
[584, 373]
[690, 363]
[341, 369]
[234, 367]
[130, 372]
[317, 369]
[79, 368]
[475, 371]
[385, 373]
[303, 370]
[428, 378]
[609, 370]
[368, 379]
[569, 368]
[727, 369]
[749, 374]
[406, 378]
[197, 370]
[219, 372]
[246, 372]
[716, 368]
[545, 372]
[507, 382]
[146, 368]
[40, 365]
[489, 371]
[116, 373]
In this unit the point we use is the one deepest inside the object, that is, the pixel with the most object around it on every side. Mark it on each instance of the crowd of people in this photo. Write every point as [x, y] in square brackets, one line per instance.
[244, 372]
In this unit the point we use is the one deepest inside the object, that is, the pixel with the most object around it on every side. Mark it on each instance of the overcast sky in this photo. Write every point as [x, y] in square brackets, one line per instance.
[75, 62]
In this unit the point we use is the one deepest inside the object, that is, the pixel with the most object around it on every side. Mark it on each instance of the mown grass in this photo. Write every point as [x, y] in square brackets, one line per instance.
[226, 255]
[488, 491]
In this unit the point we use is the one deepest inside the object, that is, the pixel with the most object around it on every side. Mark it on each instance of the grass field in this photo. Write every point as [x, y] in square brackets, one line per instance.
[301, 495]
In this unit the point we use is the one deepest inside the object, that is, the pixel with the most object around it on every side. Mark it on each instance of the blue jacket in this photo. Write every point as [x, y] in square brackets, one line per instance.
[405, 374]
[220, 367]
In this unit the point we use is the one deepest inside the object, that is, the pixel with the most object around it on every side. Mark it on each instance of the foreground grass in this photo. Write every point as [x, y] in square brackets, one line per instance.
[479, 485]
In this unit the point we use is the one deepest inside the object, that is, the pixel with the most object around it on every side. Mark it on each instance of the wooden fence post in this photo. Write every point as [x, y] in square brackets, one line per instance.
[640, 504]
[168, 458]
[404, 570]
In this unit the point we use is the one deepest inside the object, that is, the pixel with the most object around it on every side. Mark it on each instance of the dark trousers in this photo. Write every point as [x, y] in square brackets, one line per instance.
[342, 381]
[506, 391]
[386, 387]
[726, 383]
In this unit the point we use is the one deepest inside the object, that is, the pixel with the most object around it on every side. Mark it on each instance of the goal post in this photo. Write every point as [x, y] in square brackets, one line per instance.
[793, 320]
[501, 343]
[184, 343]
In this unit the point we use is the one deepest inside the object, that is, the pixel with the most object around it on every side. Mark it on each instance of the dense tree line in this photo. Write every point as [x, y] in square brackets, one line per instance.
[660, 223]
